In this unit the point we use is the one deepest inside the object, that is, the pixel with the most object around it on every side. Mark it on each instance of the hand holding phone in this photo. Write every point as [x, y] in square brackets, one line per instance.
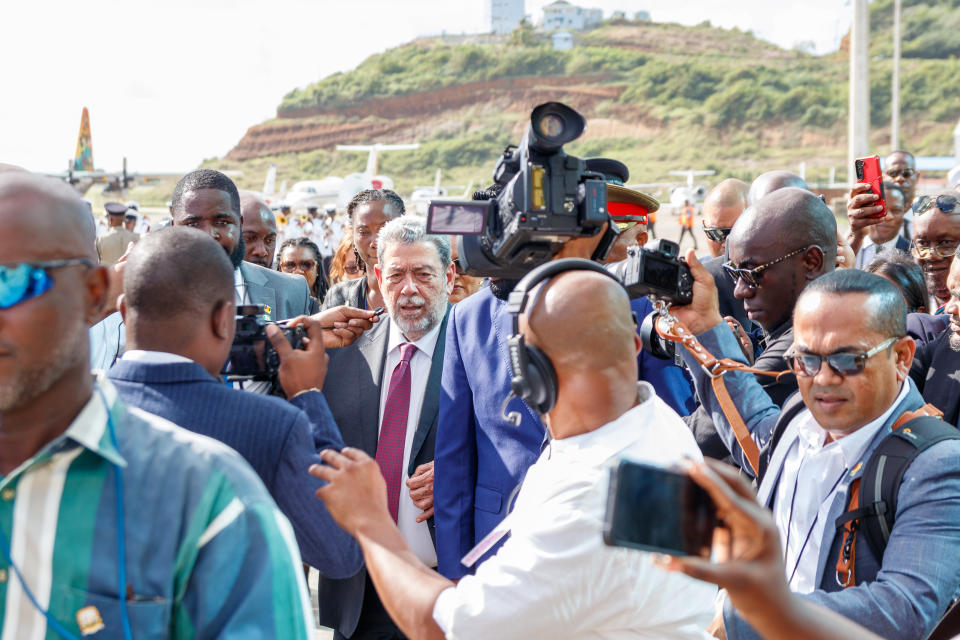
[868, 172]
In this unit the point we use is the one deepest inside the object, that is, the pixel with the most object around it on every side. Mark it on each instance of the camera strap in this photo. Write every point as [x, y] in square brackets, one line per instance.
[670, 328]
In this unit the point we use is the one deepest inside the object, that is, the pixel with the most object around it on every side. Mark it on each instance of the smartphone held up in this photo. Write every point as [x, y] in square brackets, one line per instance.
[868, 172]
[660, 510]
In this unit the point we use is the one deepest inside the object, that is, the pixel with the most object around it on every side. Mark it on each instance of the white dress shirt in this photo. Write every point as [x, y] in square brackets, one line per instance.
[555, 577]
[240, 294]
[811, 477]
[417, 534]
[155, 357]
[107, 341]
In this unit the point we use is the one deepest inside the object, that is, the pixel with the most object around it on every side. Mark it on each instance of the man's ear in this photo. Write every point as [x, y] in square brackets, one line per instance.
[97, 283]
[637, 344]
[642, 238]
[451, 275]
[122, 306]
[903, 351]
[379, 274]
[223, 320]
[813, 261]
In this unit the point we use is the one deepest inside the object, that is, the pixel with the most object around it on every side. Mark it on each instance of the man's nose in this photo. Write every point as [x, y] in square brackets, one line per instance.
[741, 290]
[258, 249]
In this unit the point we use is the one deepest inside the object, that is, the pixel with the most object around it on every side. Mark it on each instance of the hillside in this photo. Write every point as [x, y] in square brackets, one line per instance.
[657, 96]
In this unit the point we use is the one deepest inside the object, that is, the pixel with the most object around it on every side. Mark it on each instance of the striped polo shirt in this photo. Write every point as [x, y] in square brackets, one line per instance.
[208, 553]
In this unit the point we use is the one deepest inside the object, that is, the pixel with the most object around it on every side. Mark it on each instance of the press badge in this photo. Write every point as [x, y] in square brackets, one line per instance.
[89, 620]
[488, 541]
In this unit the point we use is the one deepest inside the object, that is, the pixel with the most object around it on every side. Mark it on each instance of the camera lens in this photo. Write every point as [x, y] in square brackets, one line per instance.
[551, 125]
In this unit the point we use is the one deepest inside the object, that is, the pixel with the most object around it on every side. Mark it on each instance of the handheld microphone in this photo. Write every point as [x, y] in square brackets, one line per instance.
[513, 417]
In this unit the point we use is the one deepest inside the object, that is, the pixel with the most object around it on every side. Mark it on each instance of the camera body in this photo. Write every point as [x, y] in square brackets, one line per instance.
[252, 356]
[546, 198]
[657, 270]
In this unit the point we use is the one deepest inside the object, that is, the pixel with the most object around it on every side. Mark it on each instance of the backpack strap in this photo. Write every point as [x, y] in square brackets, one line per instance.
[872, 498]
[792, 406]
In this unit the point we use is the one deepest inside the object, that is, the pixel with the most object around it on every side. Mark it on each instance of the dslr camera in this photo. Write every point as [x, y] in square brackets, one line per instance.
[252, 356]
[545, 198]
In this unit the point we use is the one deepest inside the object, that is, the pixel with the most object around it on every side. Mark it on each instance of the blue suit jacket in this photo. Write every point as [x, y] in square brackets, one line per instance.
[901, 595]
[480, 457]
[869, 252]
[279, 439]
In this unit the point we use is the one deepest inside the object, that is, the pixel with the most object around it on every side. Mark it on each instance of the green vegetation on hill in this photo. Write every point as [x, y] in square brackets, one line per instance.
[700, 97]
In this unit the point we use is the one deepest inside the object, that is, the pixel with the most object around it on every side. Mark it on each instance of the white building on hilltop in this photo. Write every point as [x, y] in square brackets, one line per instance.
[505, 15]
[563, 15]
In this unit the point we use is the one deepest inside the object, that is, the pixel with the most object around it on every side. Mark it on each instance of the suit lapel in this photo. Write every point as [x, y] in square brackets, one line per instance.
[258, 289]
[942, 386]
[431, 397]
[373, 347]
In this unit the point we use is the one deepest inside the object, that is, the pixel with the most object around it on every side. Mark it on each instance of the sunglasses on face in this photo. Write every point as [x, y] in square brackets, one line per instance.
[351, 269]
[842, 364]
[946, 203]
[938, 251]
[458, 266]
[25, 280]
[906, 173]
[751, 277]
[304, 265]
[717, 234]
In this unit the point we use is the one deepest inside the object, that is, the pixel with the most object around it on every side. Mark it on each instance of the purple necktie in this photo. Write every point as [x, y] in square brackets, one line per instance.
[393, 430]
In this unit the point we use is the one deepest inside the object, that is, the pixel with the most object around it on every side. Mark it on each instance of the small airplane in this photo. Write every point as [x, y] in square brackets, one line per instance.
[81, 173]
[421, 196]
[354, 183]
[681, 192]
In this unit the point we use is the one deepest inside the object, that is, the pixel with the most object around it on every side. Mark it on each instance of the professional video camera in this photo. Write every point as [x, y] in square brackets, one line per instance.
[252, 356]
[547, 198]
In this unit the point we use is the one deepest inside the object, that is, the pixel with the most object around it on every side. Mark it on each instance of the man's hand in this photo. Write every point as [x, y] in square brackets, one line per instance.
[703, 313]
[860, 212]
[343, 325]
[421, 489]
[300, 369]
[356, 494]
[846, 255]
[745, 343]
[753, 575]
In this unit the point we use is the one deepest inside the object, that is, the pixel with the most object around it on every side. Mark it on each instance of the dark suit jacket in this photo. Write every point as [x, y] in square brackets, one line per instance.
[869, 252]
[935, 372]
[924, 327]
[352, 388]
[286, 295]
[279, 439]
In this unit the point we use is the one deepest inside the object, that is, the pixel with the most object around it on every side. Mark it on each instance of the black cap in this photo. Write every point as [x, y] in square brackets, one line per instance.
[115, 208]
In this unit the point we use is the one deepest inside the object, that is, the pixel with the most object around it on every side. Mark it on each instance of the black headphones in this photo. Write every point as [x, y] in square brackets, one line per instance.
[534, 378]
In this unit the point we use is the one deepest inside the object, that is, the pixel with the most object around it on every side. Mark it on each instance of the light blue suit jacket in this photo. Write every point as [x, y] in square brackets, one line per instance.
[901, 595]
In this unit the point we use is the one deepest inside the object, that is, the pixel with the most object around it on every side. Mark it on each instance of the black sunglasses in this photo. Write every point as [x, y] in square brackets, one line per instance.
[842, 364]
[906, 173]
[946, 203]
[717, 234]
[458, 266]
[752, 276]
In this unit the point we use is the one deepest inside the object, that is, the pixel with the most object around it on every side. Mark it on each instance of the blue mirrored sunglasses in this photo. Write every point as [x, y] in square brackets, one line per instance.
[25, 280]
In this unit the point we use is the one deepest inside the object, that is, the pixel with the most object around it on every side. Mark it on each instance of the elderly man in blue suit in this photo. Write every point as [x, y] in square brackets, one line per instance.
[852, 357]
[180, 314]
[481, 455]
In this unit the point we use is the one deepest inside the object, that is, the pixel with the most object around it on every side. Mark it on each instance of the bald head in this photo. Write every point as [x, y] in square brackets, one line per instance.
[582, 321]
[44, 219]
[721, 208]
[771, 181]
[789, 217]
[176, 275]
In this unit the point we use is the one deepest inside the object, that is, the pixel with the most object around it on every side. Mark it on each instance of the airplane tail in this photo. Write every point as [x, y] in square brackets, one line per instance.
[270, 182]
[83, 158]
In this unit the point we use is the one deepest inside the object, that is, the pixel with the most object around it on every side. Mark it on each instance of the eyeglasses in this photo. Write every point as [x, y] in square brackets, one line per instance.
[717, 234]
[751, 277]
[842, 364]
[304, 265]
[906, 173]
[946, 203]
[351, 269]
[458, 266]
[25, 280]
[940, 250]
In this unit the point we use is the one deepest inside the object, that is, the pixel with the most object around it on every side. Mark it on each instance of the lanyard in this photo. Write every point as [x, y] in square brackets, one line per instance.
[786, 547]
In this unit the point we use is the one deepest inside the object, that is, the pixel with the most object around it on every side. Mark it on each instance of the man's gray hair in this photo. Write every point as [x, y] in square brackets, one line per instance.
[411, 230]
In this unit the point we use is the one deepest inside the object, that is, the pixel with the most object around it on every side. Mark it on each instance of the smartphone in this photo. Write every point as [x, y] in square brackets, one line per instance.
[868, 171]
[656, 509]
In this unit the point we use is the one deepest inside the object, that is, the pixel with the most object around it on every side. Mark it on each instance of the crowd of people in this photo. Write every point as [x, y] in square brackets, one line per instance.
[438, 445]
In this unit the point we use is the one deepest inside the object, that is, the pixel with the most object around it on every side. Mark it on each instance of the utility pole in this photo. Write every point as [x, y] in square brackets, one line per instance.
[895, 98]
[859, 124]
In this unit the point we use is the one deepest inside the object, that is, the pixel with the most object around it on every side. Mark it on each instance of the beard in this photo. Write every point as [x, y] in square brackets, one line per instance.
[954, 340]
[239, 252]
[501, 287]
[37, 376]
[415, 328]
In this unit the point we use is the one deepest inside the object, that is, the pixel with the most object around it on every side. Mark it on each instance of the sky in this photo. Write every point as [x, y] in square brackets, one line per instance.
[171, 83]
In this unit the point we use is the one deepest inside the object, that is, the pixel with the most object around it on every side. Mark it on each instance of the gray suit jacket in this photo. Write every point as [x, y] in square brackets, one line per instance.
[352, 389]
[287, 296]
